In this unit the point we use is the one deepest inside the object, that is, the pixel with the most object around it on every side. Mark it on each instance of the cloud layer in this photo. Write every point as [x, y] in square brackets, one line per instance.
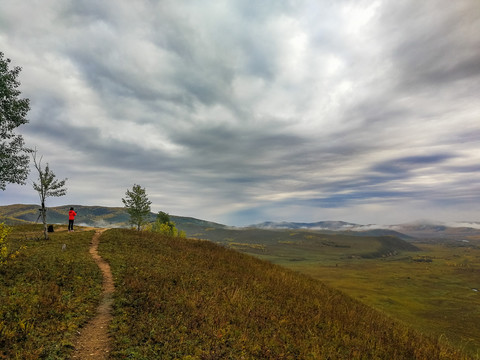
[239, 113]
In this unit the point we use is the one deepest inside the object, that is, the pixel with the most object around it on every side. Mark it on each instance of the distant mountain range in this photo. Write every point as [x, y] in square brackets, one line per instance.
[458, 230]
[334, 227]
[100, 216]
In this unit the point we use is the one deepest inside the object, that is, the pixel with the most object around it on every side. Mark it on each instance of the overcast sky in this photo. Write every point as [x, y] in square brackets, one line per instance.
[241, 111]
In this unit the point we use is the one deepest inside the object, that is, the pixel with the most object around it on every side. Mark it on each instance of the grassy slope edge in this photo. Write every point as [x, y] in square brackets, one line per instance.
[46, 293]
[189, 299]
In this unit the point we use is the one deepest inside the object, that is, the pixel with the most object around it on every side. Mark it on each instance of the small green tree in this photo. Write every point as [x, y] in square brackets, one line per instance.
[13, 111]
[47, 186]
[165, 226]
[163, 217]
[138, 206]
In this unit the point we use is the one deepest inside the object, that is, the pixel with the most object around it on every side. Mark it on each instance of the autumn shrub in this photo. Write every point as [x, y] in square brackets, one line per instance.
[163, 225]
[190, 299]
[7, 255]
[4, 231]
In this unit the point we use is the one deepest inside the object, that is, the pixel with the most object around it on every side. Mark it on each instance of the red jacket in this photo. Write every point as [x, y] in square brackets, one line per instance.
[71, 215]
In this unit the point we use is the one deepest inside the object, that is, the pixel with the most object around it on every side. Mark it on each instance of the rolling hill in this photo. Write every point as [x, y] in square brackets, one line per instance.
[379, 270]
[101, 216]
[188, 299]
[196, 300]
[96, 216]
[409, 231]
[339, 227]
[263, 240]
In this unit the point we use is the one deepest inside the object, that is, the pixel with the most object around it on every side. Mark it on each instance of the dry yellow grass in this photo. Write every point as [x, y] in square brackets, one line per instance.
[188, 299]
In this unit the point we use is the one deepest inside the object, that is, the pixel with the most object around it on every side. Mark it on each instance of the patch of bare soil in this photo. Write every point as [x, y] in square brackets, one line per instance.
[94, 341]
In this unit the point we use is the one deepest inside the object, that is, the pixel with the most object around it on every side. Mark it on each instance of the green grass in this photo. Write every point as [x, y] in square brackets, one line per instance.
[46, 293]
[188, 299]
[294, 245]
[436, 298]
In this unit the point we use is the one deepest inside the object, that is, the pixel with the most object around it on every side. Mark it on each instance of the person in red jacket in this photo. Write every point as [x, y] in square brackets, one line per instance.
[71, 218]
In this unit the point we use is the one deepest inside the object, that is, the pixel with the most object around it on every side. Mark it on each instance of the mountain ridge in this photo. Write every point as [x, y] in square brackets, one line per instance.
[408, 231]
[103, 216]
[87, 215]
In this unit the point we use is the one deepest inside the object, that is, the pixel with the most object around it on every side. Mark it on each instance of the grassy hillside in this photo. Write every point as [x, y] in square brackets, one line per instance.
[98, 216]
[88, 215]
[305, 245]
[433, 287]
[188, 299]
[46, 293]
[436, 290]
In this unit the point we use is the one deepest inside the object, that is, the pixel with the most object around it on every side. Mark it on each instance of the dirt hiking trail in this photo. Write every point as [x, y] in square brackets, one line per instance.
[94, 341]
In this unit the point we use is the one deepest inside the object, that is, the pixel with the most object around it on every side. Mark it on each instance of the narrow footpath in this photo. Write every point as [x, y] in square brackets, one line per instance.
[93, 341]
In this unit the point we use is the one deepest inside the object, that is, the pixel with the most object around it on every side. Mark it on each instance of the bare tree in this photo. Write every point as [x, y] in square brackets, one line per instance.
[47, 186]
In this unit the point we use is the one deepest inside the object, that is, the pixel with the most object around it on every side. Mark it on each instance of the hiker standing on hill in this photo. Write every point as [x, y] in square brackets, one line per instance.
[71, 218]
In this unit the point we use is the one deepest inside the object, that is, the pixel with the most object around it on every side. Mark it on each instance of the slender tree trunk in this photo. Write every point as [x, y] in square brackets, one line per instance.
[44, 220]
[46, 186]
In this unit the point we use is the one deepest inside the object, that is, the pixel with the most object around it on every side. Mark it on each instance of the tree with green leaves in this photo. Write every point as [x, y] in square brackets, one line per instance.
[165, 226]
[138, 206]
[14, 156]
[47, 186]
[163, 217]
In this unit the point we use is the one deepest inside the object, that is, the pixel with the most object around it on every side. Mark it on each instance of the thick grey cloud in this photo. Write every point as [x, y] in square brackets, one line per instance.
[239, 113]
[440, 49]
